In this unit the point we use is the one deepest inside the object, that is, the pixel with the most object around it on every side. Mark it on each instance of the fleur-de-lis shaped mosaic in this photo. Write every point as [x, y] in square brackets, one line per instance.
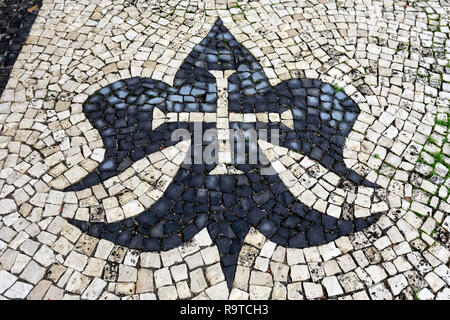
[223, 84]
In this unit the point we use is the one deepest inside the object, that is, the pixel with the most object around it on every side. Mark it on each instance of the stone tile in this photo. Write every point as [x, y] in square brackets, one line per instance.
[259, 292]
[19, 290]
[198, 282]
[39, 291]
[6, 280]
[162, 277]
[313, 290]
[94, 290]
[32, 273]
[332, 286]
[145, 281]
[77, 283]
[218, 292]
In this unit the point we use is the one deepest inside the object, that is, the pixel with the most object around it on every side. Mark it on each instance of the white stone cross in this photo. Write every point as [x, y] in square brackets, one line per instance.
[223, 118]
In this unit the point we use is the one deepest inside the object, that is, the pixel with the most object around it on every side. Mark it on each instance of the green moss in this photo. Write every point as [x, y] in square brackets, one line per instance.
[445, 123]
[337, 88]
[237, 5]
[438, 157]
[430, 139]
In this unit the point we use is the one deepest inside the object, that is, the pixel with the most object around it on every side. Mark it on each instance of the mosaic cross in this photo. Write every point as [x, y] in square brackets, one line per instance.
[222, 117]
[222, 85]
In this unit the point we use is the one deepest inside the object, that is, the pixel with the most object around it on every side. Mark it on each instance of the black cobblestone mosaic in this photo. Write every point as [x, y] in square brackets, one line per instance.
[228, 205]
[16, 19]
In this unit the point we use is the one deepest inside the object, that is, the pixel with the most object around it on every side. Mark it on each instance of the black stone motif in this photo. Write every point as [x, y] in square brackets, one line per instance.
[228, 205]
[16, 19]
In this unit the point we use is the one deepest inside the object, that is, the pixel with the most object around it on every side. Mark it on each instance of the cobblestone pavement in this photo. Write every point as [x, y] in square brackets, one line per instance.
[98, 202]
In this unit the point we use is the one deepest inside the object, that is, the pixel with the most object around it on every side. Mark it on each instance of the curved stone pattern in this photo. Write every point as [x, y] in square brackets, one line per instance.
[228, 205]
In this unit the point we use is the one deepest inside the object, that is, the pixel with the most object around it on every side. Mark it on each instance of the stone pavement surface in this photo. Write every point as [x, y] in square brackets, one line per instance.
[96, 201]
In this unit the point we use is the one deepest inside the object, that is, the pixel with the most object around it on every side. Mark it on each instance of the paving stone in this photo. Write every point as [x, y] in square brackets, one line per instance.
[279, 271]
[45, 256]
[294, 256]
[218, 292]
[150, 260]
[162, 277]
[7, 206]
[361, 295]
[76, 261]
[210, 255]
[127, 274]
[242, 277]
[312, 290]
[295, 291]
[279, 291]
[350, 282]
[124, 288]
[300, 272]
[380, 292]
[77, 283]
[237, 294]
[94, 267]
[170, 257]
[434, 281]
[417, 260]
[20, 263]
[377, 273]
[39, 291]
[214, 274]
[259, 292]
[332, 286]
[397, 284]
[19, 290]
[108, 296]
[444, 294]
[94, 290]
[33, 272]
[331, 267]
[425, 294]
[145, 281]
[168, 293]
[54, 293]
[198, 282]
[444, 273]
[183, 290]
[55, 272]
[6, 280]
